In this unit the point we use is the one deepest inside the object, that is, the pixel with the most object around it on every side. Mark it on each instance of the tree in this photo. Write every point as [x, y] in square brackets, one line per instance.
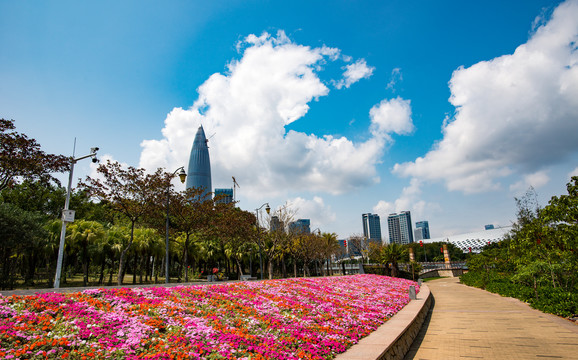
[22, 157]
[357, 245]
[20, 231]
[537, 261]
[375, 251]
[281, 241]
[392, 254]
[330, 248]
[236, 230]
[130, 192]
[83, 238]
[189, 215]
[549, 239]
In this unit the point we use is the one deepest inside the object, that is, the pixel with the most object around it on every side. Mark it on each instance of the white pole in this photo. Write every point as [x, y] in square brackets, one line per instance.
[66, 204]
[63, 230]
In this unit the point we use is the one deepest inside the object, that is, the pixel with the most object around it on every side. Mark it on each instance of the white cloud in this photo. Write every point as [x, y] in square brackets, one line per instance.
[391, 116]
[409, 200]
[320, 214]
[354, 72]
[573, 173]
[535, 180]
[247, 109]
[396, 77]
[514, 113]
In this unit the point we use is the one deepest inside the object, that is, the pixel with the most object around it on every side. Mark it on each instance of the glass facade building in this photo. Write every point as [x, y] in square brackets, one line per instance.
[301, 226]
[400, 228]
[372, 227]
[224, 196]
[422, 230]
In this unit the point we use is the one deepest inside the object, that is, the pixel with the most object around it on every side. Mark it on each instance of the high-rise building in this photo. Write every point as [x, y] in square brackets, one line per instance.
[400, 228]
[371, 227]
[301, 226]
[422, 228]
[199, 173]
[224, 196]
[275, 224]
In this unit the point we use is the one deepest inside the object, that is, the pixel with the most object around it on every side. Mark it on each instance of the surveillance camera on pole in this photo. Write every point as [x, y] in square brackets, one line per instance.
[68, 215]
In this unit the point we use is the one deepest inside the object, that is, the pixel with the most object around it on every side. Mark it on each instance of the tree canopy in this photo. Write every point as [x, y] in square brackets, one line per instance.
[21, 156]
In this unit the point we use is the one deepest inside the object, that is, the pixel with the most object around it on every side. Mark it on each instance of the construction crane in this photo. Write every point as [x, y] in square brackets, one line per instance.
[235, 185]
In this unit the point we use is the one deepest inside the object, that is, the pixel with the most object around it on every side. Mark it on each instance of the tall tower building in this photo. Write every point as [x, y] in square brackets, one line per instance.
[371, 227]
[400, 229]
[422, 228]
[199, 174]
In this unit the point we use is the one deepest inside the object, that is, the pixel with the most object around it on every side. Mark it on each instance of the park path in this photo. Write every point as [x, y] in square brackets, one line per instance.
[469, 323]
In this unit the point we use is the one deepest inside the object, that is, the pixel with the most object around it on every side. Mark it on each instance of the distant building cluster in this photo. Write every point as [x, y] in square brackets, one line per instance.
[301, 226]
[199, 176]
[399, 225]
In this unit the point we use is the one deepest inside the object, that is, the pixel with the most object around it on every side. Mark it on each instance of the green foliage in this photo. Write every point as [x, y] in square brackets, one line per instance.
[21, 157]
[537, 262]
[21, 233]
[392, 254]
[431, 252]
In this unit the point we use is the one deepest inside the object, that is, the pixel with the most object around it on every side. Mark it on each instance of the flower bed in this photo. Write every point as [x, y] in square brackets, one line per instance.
[301, 318]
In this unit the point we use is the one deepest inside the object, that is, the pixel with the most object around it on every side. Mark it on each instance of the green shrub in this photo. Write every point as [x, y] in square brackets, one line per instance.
[551, 300]
[556, 301]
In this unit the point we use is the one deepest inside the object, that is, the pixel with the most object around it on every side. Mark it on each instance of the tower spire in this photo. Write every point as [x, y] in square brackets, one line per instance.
[199, 173]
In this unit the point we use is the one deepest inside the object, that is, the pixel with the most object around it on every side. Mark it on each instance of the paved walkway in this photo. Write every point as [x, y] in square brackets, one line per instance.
[466, 322]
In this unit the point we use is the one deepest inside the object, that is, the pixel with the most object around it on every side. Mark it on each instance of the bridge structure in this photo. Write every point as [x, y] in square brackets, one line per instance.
[443, 269]
[429, 269]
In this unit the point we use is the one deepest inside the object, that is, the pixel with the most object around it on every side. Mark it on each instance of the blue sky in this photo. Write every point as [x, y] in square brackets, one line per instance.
[448, 109]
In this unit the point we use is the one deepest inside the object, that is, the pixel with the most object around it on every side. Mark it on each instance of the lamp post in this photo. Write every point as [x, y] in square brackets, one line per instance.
[268, 210]
[182, 176]
[68, 215]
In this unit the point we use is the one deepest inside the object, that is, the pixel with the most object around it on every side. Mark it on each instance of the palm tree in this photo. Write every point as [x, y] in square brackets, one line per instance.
[84, 236]
[330, 247]
[117, 237]
[392, 254]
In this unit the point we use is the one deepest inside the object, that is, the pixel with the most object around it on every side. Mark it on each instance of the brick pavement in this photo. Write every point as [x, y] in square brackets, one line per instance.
[469, 323]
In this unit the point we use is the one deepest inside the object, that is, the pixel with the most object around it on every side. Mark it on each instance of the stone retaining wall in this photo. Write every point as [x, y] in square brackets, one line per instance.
[393, 339]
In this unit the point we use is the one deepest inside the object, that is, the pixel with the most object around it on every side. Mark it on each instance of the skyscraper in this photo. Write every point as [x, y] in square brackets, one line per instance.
[199, 174]
[224, 196]
[400, 229]
[371, 227]
[276, 224]
[301, 226]
[422, 230]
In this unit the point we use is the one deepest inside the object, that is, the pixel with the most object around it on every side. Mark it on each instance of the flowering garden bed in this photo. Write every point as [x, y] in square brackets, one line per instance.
[313, 318]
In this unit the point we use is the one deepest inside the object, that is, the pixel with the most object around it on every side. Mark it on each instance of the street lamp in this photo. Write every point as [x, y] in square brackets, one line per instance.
[68, 215]
[182, 176]
[268, 210]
